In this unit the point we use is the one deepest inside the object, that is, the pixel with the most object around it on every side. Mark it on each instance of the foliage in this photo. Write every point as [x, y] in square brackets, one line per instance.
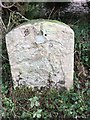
[8, 107]
[48, 104]
[27, 104]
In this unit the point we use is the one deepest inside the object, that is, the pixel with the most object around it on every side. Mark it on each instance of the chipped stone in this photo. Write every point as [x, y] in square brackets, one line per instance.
[41, 53]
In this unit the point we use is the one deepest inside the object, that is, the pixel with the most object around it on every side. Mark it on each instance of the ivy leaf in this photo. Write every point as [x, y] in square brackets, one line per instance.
[7, 103]
[32, 104]
[37, 103]
[34, 115]
[30, 99]
[39, 110]
[38, 115]
[35, 98]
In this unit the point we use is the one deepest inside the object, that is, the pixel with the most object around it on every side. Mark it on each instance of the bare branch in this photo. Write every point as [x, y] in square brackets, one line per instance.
[3, 6]
[3, 25]
[51, 12]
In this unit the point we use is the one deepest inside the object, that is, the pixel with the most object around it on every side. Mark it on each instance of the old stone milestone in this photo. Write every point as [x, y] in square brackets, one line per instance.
[41, 53]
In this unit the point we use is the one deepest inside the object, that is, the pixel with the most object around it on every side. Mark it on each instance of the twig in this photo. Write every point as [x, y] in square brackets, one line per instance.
[22, 16]
[3, 25]
[9, 20]
[51, 12]
[3, 57]
[3, 6]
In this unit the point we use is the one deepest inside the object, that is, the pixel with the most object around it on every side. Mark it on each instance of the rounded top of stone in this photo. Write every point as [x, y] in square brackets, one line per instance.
[37, 21]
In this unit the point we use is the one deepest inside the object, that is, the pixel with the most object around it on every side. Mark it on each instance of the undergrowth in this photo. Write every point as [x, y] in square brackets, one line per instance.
[48, 104]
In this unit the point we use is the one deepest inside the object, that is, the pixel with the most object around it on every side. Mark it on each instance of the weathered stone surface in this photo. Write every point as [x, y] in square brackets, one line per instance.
[40, 53]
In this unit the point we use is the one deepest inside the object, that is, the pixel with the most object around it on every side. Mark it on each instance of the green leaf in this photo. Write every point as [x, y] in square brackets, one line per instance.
[34, 115]
[23, 115]
[35, 98]
[32, 104]
[39, 111]
[37, 103]
[38, 115]
[30, 99]
[7, 103]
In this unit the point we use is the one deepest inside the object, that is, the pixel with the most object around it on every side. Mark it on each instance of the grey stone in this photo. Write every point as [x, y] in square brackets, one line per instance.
[41, 53]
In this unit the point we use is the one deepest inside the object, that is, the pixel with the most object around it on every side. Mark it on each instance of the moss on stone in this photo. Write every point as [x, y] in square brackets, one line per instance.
[41, 20]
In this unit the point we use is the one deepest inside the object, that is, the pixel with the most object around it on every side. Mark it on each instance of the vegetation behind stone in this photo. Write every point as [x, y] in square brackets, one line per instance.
[48, 104]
